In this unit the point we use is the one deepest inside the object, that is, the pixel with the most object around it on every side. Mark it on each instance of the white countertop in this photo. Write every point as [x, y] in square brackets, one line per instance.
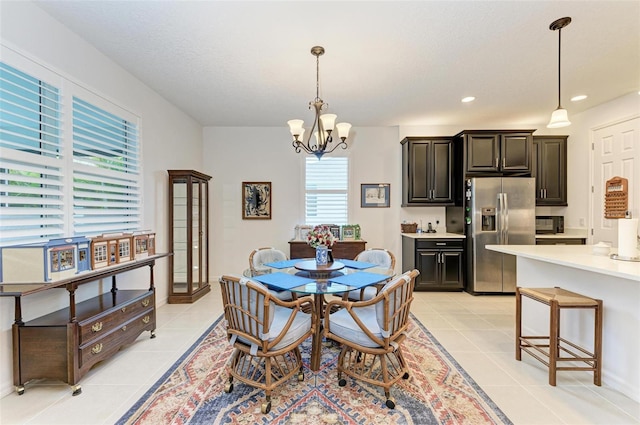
[438, 235]
[576, 256]
[568, 234]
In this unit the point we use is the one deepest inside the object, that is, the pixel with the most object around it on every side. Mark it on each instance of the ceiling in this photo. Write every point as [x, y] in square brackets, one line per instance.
[241, 63]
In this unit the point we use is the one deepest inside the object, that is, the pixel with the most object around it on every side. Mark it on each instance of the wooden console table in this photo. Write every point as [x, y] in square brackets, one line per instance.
[65, 344]
[341, 249]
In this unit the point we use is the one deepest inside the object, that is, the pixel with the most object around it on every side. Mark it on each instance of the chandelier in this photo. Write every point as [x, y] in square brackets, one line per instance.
[323, 125]
[559, 117]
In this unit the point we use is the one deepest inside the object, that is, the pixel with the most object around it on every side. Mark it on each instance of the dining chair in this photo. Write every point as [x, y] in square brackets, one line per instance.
[265, 333]
[380, 257]
[261, 256]
[371, 333]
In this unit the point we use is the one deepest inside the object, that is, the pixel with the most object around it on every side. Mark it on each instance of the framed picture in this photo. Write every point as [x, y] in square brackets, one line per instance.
[336, 231]
[374, 195]
[348, 232]
[256, 200]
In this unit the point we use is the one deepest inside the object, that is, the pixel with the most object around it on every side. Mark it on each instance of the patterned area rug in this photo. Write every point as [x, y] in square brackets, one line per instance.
[438, 391]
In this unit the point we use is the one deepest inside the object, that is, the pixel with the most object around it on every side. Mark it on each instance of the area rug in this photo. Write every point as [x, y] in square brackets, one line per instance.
[438, 391]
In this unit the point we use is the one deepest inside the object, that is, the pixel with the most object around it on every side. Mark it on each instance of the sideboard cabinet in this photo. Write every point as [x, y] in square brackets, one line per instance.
[342, 249]
[65, 344]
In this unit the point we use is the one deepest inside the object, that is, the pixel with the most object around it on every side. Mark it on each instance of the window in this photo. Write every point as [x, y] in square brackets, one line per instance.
[69, 160]
[326, 190]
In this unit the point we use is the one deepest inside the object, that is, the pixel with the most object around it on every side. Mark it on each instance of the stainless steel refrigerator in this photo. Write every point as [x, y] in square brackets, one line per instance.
[502, 212]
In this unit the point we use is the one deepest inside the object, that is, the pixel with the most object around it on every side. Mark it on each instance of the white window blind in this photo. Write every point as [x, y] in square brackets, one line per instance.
[106, 171]
[31, 159]
[69, 159]
[326, 190]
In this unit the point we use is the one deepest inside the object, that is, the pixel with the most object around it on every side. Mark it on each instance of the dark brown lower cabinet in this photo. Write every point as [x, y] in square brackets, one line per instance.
[440, 262]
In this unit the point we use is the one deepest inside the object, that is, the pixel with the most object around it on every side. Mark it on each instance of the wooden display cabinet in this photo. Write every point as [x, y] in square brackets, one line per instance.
[188, 236]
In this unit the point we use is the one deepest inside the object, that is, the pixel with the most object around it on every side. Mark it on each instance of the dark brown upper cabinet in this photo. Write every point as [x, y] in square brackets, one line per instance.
[497, 151]
[427, 171]
[549, 161]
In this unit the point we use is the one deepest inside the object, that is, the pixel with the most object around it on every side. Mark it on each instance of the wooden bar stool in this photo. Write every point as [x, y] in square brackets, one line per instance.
[553, 349]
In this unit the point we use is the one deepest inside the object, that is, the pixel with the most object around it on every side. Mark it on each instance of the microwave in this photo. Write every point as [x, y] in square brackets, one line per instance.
[546, 224]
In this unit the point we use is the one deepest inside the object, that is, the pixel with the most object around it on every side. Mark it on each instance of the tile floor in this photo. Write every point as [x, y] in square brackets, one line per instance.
[476, 330]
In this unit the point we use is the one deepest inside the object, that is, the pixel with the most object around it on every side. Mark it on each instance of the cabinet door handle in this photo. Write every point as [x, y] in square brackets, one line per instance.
[497, 159]
[441, 243]
[545, 193]
[504, 162]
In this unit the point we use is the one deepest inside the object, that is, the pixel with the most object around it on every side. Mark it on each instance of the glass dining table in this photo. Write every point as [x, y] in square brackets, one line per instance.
[305, 277]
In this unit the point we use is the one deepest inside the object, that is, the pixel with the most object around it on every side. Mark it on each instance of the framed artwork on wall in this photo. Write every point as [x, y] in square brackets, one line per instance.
[374, 195]
[256, 200]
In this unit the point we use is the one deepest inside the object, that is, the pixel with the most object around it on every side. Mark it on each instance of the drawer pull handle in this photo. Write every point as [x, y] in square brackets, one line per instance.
[96, 348]
[146, 319]
[124, 328]
[123, 309]
[145, 302]
[96, 327]
[441, 243]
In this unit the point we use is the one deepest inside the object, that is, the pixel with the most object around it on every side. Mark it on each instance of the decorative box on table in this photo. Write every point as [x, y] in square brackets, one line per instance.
[111, 248]
[44, 261]
[145, 243]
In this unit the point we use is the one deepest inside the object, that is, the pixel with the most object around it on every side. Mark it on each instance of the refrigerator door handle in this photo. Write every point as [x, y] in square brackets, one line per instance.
[506, 219]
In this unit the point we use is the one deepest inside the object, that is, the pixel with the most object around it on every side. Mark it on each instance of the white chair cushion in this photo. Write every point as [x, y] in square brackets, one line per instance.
[369, 293]
[376, 256]
[267, 256]
[301, 325]
[389, 286]
[343, 325]
[281, 295]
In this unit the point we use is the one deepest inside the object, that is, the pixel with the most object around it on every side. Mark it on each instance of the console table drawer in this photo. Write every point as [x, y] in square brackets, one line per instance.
[101, 324]
[122, 333]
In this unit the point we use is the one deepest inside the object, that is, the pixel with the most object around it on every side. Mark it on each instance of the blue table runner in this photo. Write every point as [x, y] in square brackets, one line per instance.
[284, 264]
[282, 280]
[360, 279]
[352, 264]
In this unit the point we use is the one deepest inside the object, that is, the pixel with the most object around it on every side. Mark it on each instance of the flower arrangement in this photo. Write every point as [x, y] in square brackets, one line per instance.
[321, 235]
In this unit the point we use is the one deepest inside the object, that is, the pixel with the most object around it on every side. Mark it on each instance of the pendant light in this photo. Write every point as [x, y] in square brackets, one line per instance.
[559, 117]
[323, 125]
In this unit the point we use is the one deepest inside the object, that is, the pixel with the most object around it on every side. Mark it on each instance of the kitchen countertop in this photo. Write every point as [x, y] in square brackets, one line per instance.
[575, 256]
[568, 234]
[439, 235]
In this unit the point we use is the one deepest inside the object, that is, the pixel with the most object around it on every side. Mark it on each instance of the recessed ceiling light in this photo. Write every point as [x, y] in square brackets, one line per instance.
[578, 98]
[468, 99]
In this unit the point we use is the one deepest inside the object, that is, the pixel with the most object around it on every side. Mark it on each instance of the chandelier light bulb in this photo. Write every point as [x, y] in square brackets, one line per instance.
[343, 130]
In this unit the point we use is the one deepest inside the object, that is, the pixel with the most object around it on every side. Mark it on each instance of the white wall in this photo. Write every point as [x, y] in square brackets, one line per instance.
[265, 154]
[170, 140]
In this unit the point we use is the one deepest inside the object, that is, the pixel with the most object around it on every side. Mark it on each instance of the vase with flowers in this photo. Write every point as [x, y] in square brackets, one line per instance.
[321, 238]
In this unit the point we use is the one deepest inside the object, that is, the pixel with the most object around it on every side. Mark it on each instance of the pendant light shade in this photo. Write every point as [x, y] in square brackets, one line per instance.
[559, 117]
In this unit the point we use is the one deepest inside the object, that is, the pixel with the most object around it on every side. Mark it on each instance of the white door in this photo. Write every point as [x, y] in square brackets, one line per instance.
[616, 152]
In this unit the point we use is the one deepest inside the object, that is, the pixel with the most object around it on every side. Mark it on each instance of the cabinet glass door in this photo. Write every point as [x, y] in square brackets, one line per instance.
[188, 215]
[180, 245]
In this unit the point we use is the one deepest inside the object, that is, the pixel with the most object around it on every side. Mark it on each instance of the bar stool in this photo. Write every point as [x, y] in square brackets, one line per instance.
[552, 349]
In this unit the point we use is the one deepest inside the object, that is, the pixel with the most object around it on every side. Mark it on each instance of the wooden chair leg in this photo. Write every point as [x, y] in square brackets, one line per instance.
[597, 345]
[554, 327]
